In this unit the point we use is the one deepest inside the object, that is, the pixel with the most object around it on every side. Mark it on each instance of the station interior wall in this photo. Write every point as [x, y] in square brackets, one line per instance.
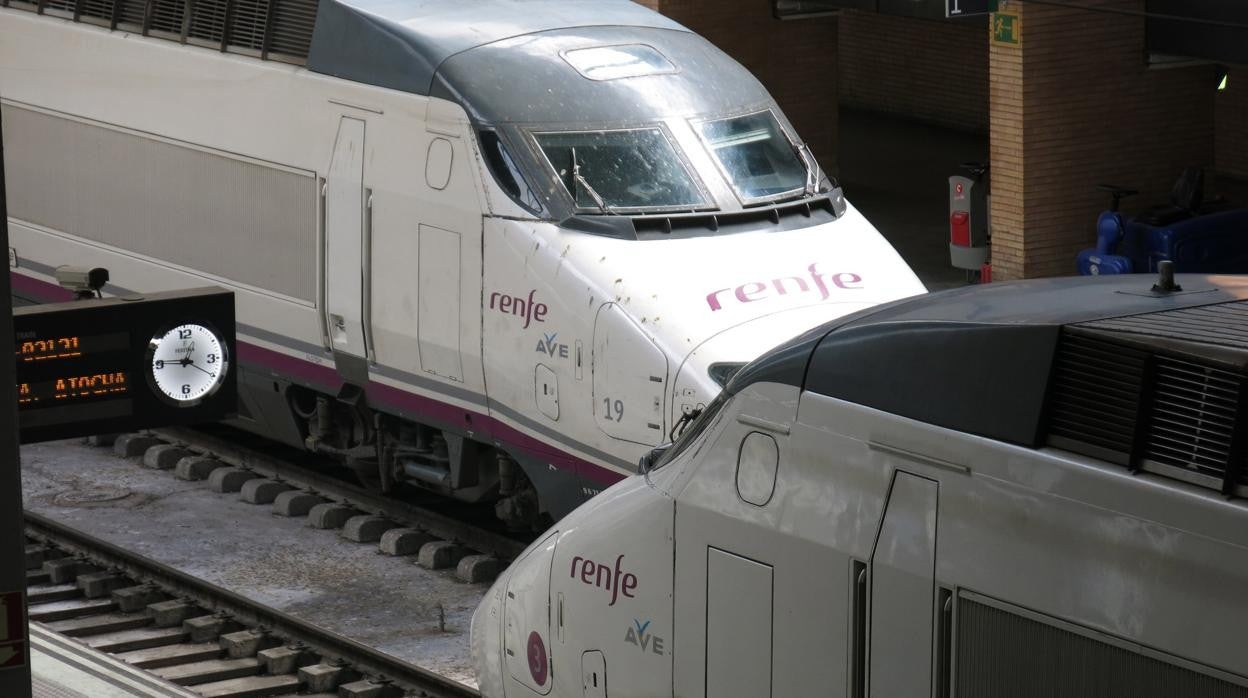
[1074, 106]
[932, 71]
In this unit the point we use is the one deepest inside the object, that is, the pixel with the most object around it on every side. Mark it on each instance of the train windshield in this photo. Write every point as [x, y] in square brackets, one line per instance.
[756, 156]
[625, 169]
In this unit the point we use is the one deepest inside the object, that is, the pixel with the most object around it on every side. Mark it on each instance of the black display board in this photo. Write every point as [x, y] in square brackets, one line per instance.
[118, 364]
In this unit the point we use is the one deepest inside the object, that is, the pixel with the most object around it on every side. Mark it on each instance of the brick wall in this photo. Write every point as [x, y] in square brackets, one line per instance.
[796, 60]
[930, 70]
[1074, 107]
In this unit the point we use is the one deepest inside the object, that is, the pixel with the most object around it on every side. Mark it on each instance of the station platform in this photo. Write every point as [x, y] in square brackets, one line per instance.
[63, 668]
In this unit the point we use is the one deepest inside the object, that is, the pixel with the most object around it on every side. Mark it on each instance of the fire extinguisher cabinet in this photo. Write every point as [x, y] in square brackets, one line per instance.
[968, 219]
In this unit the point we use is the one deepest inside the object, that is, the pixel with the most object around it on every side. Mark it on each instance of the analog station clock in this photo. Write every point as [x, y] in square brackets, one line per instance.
[186, 364]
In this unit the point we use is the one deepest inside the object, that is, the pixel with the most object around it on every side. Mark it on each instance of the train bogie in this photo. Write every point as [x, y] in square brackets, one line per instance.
[858, 515]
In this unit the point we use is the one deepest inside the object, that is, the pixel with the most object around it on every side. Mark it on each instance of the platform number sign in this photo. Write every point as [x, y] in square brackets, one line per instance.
[12, 630]
[968, 8]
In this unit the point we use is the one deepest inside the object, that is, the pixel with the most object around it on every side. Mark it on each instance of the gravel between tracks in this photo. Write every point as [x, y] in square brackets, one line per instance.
[388, 603]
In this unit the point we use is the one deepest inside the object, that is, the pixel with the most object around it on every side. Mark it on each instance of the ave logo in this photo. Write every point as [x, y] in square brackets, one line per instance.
[550, 347]
[636, 635]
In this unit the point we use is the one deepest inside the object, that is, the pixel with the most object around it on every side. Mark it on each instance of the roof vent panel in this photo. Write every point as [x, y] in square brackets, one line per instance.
[167, 16]
[291, 29]
[247, 24]
[1095, 397]
[1192, 417]
[207, 20]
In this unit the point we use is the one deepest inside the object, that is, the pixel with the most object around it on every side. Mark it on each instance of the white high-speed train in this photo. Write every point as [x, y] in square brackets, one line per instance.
[496, 249]
[1023, 490]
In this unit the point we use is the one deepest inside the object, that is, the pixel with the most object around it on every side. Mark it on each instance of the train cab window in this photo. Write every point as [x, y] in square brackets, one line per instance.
[631, 169]
[756, 156]
[505, 171]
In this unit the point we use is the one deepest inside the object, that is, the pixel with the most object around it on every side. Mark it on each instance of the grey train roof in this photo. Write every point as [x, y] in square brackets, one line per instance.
[1096, 365]
[501, 59]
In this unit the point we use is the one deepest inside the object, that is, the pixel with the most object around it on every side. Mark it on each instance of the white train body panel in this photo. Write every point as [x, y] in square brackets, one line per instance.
[657, 292]
[799, 543]
[369, 244]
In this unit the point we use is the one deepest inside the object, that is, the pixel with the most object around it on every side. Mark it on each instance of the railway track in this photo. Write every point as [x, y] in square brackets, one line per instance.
[439, 540]
[195, 634]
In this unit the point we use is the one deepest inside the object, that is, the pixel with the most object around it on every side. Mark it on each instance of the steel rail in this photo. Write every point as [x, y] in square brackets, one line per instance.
[441, 525]
[414, 680]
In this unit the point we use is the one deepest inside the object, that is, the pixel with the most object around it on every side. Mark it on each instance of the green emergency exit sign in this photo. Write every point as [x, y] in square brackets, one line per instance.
[1006, 29]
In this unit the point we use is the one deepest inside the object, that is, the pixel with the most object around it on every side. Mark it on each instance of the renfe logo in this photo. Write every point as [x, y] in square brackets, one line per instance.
[603, 577]
[520, 307]
[751, 291]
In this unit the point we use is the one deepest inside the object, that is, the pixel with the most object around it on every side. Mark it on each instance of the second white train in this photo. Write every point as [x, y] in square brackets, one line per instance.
[1020, 490]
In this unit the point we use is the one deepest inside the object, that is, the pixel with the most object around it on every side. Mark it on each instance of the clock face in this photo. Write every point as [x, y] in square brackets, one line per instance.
[187, 364]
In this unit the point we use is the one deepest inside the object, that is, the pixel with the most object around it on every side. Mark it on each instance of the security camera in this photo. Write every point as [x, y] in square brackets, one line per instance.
[85, 282]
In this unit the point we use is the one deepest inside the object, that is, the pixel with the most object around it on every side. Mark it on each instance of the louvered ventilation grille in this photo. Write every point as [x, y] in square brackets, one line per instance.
[1095, 397]
[293, 21]
[289, 23]
[98, 9]
[1002, 653]
[1192, 419]
[132, 12]
[1101, 390]
[62, 5]
[247, 23]
[167, 16]
[207, 20]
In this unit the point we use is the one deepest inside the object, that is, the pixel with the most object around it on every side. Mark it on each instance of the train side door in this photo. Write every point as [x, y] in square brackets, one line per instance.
[735, 571]
[448, 274]
[346, 253]
[902, 593]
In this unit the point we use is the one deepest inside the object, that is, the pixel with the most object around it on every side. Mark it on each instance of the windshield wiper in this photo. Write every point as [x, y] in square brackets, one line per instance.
[813, 173]
[578, 181]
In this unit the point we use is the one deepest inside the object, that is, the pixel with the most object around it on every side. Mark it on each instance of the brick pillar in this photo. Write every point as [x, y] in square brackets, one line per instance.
[1005, 151]
[1074, 106]
[795, 60]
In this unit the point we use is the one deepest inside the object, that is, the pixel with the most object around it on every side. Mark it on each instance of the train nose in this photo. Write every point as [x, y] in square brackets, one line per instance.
[486, 639]
[510, 630]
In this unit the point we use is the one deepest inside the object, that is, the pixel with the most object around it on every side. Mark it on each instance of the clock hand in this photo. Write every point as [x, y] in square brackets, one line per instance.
[201, 369]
